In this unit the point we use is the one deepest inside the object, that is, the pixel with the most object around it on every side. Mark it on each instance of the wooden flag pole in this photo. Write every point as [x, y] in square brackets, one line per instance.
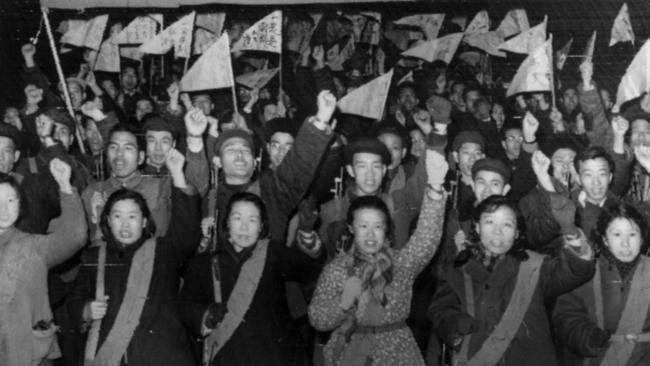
[64, 86]
[93, 333]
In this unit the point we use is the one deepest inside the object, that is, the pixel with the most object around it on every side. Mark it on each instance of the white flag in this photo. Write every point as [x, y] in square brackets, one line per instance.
[479, 25]
[515, 22]
[429, 23]
[108, 58]
[636, 80]
[256, 79]
[177, 35]
[589, 49]
[131, 52]
[203, 39]
[141, 29]
[86, 34]
[535, 73]
[438, 49]
[212, 22]
[527, 41]
[622, 29]
[369, 99]
[213, 70]
[265, 35]
[488, 42]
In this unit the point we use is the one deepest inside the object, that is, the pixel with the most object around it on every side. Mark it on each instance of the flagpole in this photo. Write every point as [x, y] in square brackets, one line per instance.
[280, 72]
[550, 56]
[64, 85]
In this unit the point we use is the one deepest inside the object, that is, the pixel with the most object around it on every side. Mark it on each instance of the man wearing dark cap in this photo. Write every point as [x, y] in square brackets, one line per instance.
[281, 188]
[56, 132]
[491, 176]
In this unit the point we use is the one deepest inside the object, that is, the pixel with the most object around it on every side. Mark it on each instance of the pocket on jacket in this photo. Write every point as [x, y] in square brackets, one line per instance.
[44, 344]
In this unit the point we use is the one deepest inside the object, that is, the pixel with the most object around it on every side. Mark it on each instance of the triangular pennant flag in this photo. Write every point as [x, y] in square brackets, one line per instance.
[212, 22]
[369, 99]
[589, 50]
[636, 80]
[479, 25]
[203, 39]
[460, 20]
[488, 42]
[177, 35]
[515, 22]
[256, 79]
[86, 34]
[526, 41]
[108, 58]
[562, 55]
[622, 28]
[265, 35]
[141, 29]
[534, 74]
[438, 49]
[408, 78]
[213, 70]
[429, 23]
[336, 59]
[131, 52]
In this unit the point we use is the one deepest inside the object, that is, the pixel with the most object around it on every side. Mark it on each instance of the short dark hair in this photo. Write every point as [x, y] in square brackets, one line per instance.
[620, 211]
[124, 127]
[592, 153]
[122, 195]
[491, 205]
[373, 203]
[246, 197]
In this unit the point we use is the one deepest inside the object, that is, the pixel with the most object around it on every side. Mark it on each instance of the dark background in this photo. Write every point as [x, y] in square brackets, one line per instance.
[19, 20]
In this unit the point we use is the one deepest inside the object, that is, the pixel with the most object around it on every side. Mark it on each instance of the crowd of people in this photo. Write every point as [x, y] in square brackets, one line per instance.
[159, 227]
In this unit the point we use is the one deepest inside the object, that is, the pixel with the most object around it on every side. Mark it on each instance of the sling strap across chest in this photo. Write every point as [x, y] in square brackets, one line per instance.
[499, 340]
[239, 301]
[635, 311]
[128, 317]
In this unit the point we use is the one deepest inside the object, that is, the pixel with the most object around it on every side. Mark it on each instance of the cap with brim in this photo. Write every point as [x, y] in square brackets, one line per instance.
[81, 82]
[230, 134]
[492, 165]
[465, 137]
[368, 145]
